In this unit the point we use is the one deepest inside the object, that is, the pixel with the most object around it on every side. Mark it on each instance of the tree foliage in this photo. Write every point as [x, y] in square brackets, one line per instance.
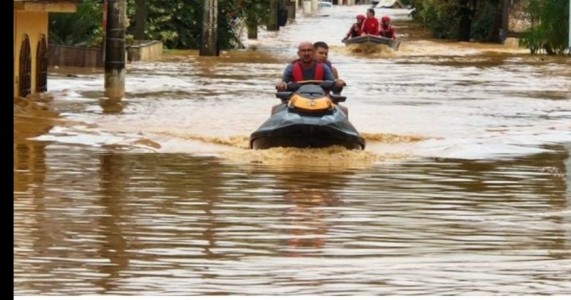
[176, 23]
[440, 16]
[82, 28]
[549, 21]
[444, 18]
[549, 26]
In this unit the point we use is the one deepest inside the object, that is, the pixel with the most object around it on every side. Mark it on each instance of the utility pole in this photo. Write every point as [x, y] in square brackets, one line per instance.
[504, 28]
[104, 26]
[115, 49]
[272, 24]
[569, 41]
[209, 45]
[252, 26]
[140, 19]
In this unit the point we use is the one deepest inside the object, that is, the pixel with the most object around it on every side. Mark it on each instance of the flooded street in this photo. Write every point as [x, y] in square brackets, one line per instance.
[464, 187]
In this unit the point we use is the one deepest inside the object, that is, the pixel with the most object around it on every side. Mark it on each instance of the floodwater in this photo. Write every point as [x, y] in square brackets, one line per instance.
[464, 187]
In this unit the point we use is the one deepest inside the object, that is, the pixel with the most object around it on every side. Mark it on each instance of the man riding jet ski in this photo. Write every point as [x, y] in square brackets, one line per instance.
[308, 117]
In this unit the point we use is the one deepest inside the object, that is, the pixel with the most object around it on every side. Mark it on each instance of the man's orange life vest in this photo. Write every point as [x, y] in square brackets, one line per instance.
[297, 71]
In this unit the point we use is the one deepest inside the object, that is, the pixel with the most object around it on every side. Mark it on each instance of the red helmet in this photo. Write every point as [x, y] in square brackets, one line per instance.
[385, 19]
[360, 17]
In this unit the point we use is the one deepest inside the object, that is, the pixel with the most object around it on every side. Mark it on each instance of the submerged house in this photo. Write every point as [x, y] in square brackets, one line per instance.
[31, 42]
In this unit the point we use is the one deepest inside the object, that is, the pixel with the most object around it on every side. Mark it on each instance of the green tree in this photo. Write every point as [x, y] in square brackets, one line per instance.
[459, 19]
[453, 19]
[253, 12]
[81, 28]
[549, 27]
[176, 23]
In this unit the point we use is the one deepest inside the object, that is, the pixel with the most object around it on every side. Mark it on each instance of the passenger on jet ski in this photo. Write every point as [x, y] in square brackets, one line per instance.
[321, 55]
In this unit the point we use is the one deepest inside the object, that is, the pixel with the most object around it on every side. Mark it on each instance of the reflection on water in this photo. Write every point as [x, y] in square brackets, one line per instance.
[111, 106]
[176, 224]
[464, 188]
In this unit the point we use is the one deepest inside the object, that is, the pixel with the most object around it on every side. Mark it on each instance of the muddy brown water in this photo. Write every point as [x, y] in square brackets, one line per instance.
[463, 189]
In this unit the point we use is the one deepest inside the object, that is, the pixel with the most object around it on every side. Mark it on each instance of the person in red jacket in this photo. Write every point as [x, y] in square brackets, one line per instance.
[387, 30]
[371, 24]
[355, 29]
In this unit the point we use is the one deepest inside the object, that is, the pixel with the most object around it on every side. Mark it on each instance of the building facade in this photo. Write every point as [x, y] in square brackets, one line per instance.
[31, 42]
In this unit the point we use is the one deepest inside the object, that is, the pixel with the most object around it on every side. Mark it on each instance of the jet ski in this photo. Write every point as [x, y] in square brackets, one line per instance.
[309, 116]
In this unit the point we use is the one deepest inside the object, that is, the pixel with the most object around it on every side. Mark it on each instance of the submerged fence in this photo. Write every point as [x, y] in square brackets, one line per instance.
[89, 57]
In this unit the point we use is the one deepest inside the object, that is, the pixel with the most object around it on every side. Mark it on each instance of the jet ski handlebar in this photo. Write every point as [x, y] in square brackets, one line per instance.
[326, 85]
